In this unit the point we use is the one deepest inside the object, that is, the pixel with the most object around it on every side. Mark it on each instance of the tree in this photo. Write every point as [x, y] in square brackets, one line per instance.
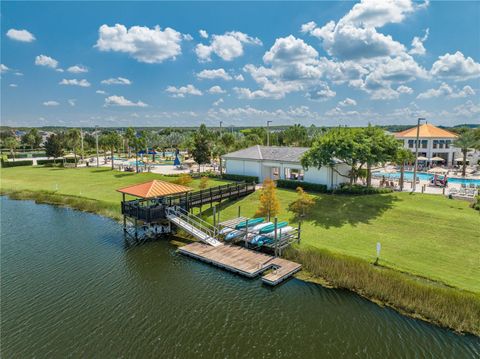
[54, 147]
[381, 148]
[32, 138]
[74, 138]
[269, 203]
[402, 157]
[296, 135]
[337, 144]
[204, 182]
[201, 146]
[129, 137]
[465, 141]
[11, 143]
[113, 140]
[184, 179]
[302, 205]
[138, 144]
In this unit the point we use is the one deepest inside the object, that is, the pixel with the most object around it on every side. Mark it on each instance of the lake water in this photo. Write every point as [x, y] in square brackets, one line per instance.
[71, 288]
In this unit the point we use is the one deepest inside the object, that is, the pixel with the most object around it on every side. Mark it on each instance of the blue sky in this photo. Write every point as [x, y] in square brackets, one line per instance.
[326, 63]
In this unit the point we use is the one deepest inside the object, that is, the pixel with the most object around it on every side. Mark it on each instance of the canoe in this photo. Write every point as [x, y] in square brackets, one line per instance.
[280, 231]
[271, 227]
[251, 222]
[225, 230]
[259, 226]
[233, 234]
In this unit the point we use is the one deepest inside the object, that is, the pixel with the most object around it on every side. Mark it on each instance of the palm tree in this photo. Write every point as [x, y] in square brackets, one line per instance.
[465, 141]
[73, 139]
[113, 140]
[11, 143]
[138, 144]
[129, 137]
[403, 156]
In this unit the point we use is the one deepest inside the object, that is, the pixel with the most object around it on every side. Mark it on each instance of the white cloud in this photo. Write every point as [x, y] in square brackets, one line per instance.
[417, 44]
[122, 102]
[43, 60]
[239, 77]
[77, 69]
[347, 102]
[227, 46]
[50, 103]
[404, 89]
[216, 89]
[321, 93]
[218, 102]
[183, 91]
[456, 67]
[18, 73]
[101, 92]
[446, 91]
[187, 37]
[142, 43]
[75, 82]
[468, 109]
[4, 68]
[117, 81]
[13, 85]
[20, 35]
[214, 74]
[72, 102]
[203, 33]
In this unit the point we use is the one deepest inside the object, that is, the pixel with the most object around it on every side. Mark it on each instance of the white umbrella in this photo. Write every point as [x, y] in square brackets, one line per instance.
[438, 170]
[437, 159]
[421, 158]
[459, 160]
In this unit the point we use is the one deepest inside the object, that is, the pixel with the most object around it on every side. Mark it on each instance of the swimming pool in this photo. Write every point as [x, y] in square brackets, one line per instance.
[425, 177]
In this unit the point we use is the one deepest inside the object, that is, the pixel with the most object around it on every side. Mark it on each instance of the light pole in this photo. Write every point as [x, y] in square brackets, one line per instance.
[96, 143]
[221, 122]
[268, 132]
[414, 187]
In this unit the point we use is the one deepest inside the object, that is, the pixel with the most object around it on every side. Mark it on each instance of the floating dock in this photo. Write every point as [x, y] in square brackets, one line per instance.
[243, 261]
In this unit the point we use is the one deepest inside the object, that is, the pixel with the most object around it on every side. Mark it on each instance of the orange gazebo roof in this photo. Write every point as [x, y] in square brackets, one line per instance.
[427, 130]
[154, 189]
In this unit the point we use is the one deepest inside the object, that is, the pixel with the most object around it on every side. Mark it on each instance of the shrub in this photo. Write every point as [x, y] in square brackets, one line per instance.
[307, 186]
[44, 162]
[203, 182]
[358, 190]
[184, 179]
[6, 164]
[240, 178]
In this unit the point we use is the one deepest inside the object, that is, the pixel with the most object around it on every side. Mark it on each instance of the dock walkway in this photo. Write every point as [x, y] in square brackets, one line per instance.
[243, 261]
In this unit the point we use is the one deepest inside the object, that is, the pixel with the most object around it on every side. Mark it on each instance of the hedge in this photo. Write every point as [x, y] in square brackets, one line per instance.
[240, 178]
[360, 190]
[58, 160]
[6, 164]
[307, 186]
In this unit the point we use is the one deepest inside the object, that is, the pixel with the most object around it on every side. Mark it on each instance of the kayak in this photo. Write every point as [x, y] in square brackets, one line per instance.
[251, 222]
[259, 226]
[271, 227]
[280, 231]
[225, 230]
[261, 239]
[233, 234]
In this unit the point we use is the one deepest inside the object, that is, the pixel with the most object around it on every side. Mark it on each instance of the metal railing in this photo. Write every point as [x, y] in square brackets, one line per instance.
[194, 221]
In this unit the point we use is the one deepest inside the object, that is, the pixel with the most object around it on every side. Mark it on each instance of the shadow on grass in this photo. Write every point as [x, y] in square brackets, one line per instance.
[338, 210]
[124, 174]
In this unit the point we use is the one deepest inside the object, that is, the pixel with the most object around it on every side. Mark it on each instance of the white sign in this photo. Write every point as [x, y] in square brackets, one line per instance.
[379, 247]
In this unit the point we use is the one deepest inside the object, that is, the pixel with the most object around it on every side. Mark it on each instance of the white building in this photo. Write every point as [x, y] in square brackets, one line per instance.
[433, 142]
[282, 163]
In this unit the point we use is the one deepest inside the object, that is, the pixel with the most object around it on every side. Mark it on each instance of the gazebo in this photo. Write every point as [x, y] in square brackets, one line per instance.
[153, 189]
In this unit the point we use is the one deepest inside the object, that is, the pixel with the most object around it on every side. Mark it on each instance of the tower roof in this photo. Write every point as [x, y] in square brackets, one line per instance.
[154, 189]
[427, 130]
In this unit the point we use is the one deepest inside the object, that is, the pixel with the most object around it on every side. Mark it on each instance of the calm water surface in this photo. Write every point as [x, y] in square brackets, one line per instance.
[70, 288]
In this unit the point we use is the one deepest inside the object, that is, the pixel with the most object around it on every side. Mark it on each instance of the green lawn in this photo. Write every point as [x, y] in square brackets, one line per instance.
[425, 235]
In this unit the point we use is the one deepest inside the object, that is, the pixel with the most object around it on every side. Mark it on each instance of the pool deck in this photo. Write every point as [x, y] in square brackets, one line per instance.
[243, 261]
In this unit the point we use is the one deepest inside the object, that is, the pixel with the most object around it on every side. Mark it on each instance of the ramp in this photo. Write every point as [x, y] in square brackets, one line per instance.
[193, 225]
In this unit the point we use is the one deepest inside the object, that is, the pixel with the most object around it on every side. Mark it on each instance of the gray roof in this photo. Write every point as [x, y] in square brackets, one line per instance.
[268, 153]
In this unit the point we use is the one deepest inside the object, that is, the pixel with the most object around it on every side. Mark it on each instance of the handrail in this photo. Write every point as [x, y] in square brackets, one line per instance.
[193, 220]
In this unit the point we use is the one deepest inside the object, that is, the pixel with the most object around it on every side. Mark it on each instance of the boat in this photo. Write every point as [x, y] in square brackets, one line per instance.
[225, 230]
[251, 222]
[233, 234]
[259, 226]
[261, 239]
[271, 227]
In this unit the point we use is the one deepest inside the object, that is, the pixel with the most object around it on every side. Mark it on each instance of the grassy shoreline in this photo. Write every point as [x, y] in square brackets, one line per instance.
[413, 296]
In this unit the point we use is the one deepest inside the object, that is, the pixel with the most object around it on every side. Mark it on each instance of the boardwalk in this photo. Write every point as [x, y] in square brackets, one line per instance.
[243, 261]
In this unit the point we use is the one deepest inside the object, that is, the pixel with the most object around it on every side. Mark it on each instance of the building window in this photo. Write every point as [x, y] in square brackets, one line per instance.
[447, 143]
[435, 143]
[411, 143]
[294, 174]
[424, 143]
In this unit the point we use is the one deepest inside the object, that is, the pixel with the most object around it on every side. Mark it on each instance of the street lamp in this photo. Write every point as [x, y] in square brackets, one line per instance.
[96, 143]
[81, 137]
[414, 187]
[268, 132]
[221, 126]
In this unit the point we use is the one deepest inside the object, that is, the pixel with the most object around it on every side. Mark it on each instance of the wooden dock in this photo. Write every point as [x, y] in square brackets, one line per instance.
[243, 261]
